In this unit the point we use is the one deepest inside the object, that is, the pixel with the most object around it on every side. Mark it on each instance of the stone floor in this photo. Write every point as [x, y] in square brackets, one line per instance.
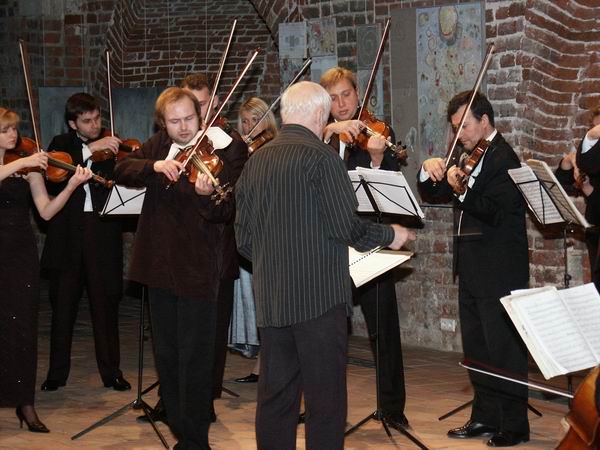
[435, 385]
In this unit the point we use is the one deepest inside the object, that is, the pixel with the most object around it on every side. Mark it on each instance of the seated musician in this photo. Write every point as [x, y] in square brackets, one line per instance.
[341, 85]
[177, 254]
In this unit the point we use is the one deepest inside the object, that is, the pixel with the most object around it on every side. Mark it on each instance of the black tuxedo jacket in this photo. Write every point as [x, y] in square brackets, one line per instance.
[491, 251]
[63, 244]
[589, 163]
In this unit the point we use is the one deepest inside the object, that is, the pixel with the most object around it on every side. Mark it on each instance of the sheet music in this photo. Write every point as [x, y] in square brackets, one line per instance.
[583, 302]
[537, 198]
[390, 191]
[123, 200]
[567, 208]
[368, 265]
[550, 325]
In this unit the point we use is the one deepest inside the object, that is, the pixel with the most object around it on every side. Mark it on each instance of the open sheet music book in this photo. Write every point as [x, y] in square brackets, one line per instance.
[560, 327]
[368, 265]
[390, 191]
[544, 194]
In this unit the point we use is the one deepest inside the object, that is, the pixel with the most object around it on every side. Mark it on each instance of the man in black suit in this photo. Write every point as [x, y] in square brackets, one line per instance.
[84, 250]
[491, 259]
[340, 84]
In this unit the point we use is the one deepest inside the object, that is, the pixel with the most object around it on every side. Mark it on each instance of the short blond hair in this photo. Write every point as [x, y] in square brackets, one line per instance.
[256, 106]
[172, 95]
[334, 75]
[8, 117]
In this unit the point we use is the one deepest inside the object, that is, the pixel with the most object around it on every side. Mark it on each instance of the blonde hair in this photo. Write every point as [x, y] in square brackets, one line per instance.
[172, 95]
[8, 117]
[333, 76]
[301, 100]
[257, 107]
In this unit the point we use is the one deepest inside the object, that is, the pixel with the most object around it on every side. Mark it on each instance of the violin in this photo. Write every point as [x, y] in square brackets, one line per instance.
[127, 145]
[583, 418]
[468, 163]
[375, 127]
[259, 140]
[60, 164]
[125, 148]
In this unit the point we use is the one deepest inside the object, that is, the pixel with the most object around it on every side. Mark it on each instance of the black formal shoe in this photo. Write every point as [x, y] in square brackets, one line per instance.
[158, 414]
[35, 426]
[471, 429]
[118, 384]
[397, 421]
[52, 385]
[507, 439]
[252, 378]
[302, 417]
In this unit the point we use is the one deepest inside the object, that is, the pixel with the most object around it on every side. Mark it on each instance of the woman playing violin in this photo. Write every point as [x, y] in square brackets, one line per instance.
[250, 113]
[19, 275]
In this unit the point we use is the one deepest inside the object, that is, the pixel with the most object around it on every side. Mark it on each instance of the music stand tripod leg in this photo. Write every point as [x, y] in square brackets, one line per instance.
[138, 402]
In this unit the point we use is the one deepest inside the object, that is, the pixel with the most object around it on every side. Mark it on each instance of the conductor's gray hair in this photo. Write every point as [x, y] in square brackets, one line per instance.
[303, 99]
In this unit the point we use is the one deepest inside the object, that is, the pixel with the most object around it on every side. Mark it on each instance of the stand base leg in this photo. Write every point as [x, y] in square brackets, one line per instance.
[378, 416]
[470, 402]
[230, 392]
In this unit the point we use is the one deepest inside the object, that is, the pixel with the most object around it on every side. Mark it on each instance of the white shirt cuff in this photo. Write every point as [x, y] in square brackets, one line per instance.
[423, 175]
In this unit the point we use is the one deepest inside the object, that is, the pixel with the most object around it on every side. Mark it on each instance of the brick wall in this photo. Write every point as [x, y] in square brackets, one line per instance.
[542, 80]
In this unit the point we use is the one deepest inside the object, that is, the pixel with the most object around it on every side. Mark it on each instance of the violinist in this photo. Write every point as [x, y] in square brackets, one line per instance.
[491, 259]
[244, 332]
[178, 255]
[234, 155]
[250, 113]
[576, 181]
[83, 249]
[341, 86]
[19, 277]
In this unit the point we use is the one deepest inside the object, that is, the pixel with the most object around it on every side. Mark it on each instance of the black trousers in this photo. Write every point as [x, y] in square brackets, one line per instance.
[184, 340]
[489, 337]
[224, 310]
[100, 272]
[592, 242]
[391, 366]
[308, 357]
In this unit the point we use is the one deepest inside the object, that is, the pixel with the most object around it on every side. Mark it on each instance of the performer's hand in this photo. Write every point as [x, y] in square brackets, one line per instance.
[37, 159]
[349, 127]
[80, 176]
[401, 235]
[170, 168]
[106, 143]
[436, 168]
[568, 162]
[594, 133]
[455, 177]
[203, 185]
[376, 148]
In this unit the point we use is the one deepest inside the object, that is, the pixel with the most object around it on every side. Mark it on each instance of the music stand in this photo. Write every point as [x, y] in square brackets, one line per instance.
[550, 204]
[128, 201]
[383, 192]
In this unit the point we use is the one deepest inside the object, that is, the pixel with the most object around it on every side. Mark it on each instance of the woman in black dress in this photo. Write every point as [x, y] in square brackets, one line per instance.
[19, 273]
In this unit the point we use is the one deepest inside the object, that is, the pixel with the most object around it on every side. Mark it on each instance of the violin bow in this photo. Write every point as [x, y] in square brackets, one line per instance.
[482, 71]
[192, 151]
[110, 105]
[25, 63]
[218, 78]
[380, 50]
[276, 101]
[515, 380]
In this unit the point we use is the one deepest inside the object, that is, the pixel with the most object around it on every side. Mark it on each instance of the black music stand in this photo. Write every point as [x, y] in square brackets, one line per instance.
[378, 413]
[138, 402]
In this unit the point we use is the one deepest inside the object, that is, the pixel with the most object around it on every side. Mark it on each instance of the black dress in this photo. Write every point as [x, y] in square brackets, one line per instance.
[19, 295]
